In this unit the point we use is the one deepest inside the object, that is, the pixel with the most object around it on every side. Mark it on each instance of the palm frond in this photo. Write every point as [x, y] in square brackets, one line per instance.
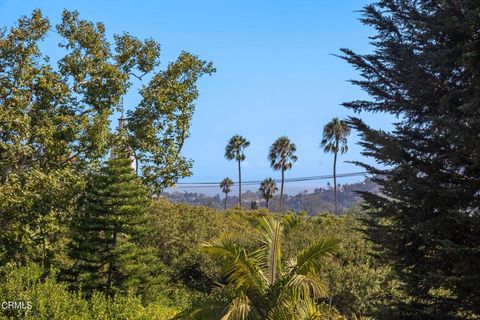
[271, 251]
[302, 287]
[308, 310]
[308, 259]
[240, 309]
[242, 269]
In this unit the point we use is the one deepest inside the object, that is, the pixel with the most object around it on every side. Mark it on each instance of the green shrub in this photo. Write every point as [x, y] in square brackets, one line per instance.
[52, 301]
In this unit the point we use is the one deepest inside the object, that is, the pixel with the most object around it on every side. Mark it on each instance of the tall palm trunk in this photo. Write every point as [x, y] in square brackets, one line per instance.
[281, 190]
[239, 185]
[267, 203]
[225, 205]
[335, 178]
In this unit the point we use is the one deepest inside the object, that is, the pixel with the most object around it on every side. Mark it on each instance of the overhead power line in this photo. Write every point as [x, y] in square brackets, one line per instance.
[257, 182]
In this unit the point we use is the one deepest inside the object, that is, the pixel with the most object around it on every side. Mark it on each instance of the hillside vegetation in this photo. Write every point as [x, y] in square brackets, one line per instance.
[355, 284]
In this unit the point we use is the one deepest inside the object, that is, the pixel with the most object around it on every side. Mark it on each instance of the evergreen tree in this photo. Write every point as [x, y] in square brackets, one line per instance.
[107, 232]
[425, 70]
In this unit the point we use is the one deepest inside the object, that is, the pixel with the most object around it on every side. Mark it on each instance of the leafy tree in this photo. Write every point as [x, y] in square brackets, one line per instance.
[259, 286]
[235, 150]
[160, 124]
[424, 70]
[282, 157]
[225, 185]
[55, 128]
[268, 187]
[334, 140]
[107, 231]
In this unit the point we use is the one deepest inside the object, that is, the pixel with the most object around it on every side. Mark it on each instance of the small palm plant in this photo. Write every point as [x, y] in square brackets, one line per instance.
[282, 157]
[268, 187]
[225, 185]
[334, 140]
[235, 151]
[259, 286]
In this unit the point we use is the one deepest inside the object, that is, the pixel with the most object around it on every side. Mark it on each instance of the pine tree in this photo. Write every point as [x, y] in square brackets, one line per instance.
[425, 70]
[107, 232]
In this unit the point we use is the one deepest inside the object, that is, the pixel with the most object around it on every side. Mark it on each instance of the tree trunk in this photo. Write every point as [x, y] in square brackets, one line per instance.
[239, 185]
[281, 190]
[335, 180]
[226, 194]
[267, 203]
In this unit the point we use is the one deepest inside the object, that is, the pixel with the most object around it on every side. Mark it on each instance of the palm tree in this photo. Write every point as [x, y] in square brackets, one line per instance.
[281, 158]
[268, 187]
[258, 286]
[234, 151]
[225, 185]
[334, 140]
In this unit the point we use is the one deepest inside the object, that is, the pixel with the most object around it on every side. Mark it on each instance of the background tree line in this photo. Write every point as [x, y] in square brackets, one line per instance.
[282, 157]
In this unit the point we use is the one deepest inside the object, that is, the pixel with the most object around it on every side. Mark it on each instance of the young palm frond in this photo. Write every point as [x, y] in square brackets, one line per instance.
[271, 250]
[240, 309]
[307, 260]
[243, 270]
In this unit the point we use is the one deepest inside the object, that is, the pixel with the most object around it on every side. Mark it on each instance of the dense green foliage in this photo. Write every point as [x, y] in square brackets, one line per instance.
[260, 285]
[356, 284]
[55, 123]
[425, 70]
[51, 300]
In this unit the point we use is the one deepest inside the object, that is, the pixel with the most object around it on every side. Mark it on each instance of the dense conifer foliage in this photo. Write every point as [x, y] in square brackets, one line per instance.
[425, 70]
[107, 231]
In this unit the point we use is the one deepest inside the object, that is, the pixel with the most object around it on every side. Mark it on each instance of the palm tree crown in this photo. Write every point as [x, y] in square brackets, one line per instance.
[281, 154]
[235, 151]
[282, 157]
[226, 184]
[235, 148]
[335, 135]
[268, 187]
[259, 286]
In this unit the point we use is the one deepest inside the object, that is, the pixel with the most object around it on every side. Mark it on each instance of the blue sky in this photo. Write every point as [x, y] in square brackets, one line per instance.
[276, 73]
